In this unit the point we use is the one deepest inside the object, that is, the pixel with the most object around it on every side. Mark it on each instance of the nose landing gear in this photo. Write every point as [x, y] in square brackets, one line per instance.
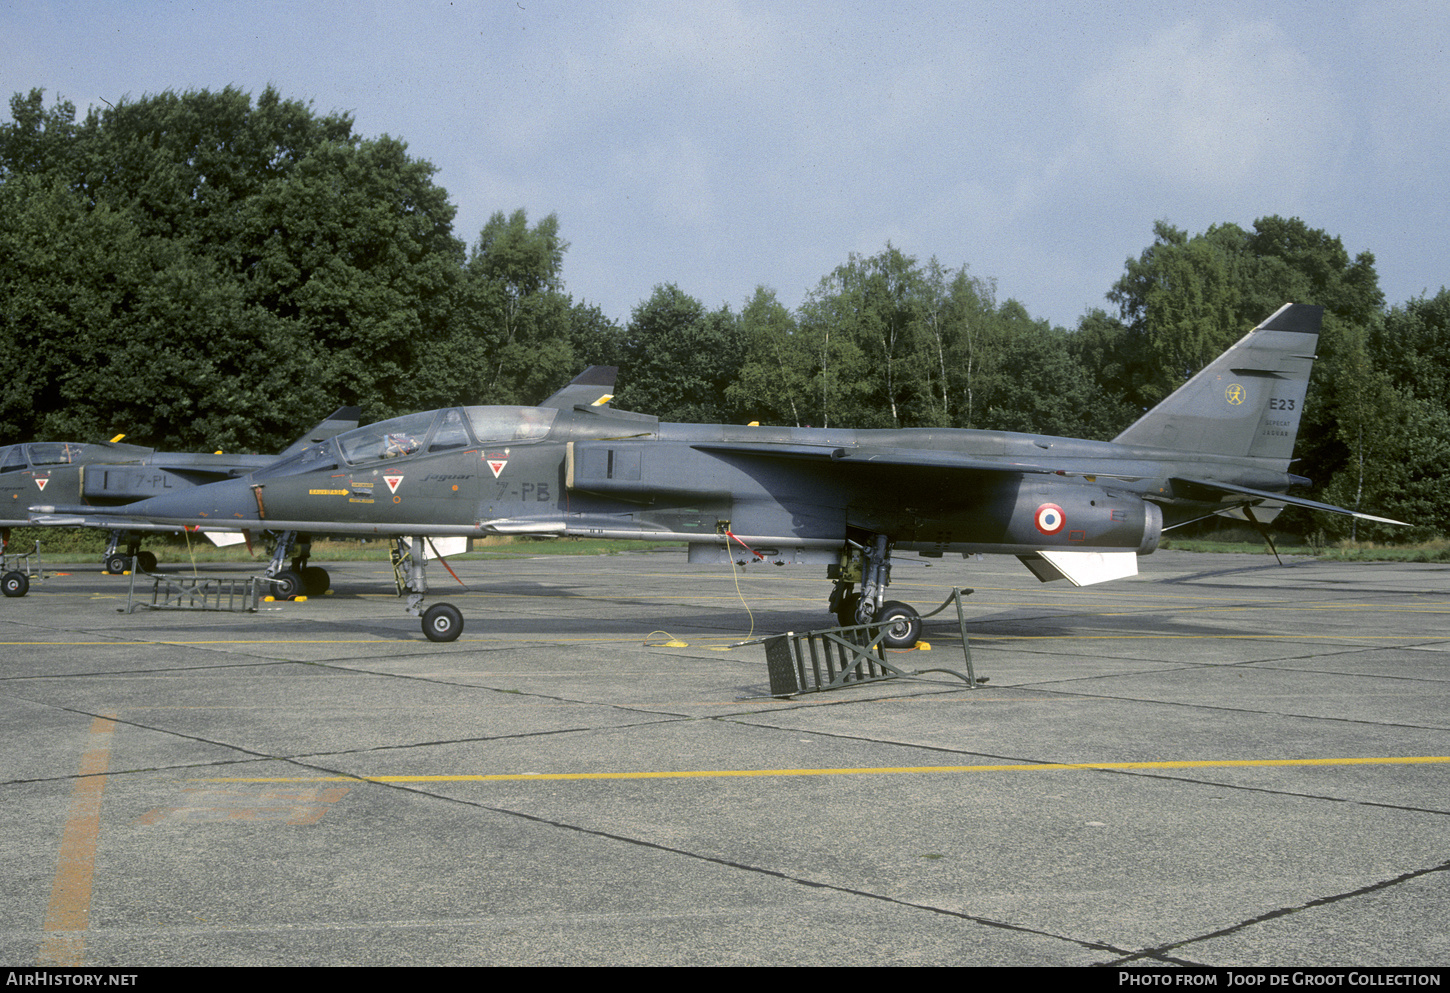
[441, 621]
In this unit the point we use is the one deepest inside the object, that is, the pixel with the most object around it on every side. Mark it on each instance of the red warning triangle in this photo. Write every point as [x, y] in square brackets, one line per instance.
[42, 480]
[393, 482]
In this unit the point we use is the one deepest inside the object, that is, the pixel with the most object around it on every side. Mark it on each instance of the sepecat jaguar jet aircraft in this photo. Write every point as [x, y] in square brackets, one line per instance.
[109, 474]
[848, 499]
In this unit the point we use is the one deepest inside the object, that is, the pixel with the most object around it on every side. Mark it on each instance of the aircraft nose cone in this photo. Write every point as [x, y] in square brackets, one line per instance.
[230, 502]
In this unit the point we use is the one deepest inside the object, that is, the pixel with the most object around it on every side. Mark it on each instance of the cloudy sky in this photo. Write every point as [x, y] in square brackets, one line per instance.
[724, 145]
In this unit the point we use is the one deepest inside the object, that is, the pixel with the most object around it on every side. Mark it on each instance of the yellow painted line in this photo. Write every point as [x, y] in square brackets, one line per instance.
[69, 912]
[882, 771]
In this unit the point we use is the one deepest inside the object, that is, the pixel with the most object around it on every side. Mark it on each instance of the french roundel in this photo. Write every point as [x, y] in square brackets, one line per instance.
[1049, 518]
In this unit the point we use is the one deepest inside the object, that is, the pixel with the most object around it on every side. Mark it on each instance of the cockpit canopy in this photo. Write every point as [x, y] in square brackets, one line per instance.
[42, 453]
[430, 432]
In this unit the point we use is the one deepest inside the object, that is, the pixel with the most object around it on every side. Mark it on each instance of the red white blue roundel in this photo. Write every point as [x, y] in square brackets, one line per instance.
[1049, 518]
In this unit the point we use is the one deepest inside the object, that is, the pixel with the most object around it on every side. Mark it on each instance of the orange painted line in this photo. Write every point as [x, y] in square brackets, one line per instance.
[69, 913]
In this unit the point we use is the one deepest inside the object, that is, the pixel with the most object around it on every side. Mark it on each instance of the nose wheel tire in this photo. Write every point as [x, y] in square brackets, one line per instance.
[442, 622]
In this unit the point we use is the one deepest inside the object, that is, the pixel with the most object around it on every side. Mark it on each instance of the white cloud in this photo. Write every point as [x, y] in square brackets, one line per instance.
[1211, 111]
[717, 43]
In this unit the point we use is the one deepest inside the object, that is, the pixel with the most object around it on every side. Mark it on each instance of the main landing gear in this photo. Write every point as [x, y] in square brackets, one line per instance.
[135, 557]
[442, 621]
[868, 562]
[295, 578]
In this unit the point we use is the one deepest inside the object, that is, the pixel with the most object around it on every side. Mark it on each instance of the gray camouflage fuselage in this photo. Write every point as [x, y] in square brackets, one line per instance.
[1222, 443]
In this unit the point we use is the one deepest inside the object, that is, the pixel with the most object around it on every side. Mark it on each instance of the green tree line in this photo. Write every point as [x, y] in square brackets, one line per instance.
[201, 270]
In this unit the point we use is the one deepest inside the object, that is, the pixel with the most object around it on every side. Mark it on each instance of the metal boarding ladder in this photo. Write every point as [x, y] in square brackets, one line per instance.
[225, 593]
[832, 658]
[21, 562]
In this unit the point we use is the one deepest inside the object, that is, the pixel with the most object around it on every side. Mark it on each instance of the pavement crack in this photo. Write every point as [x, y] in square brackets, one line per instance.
[167, 671]
[1157, 953]
[1232, 710]
[735, 864]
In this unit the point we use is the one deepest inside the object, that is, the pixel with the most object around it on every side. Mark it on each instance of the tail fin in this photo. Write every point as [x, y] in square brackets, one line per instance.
[1247, 402]
[340, 420]
[594, 387]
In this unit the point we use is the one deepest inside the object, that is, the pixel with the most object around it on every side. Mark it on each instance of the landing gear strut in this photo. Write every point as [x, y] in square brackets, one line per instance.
[442, 621]
[869, 563]
[117, 562]
[286, 583]
[289, 572]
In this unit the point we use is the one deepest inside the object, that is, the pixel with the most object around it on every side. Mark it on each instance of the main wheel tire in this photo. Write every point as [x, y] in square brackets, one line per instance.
[903, 624]
[14, 584]
[146, 560]
[316, 579]
[287, 584]
[118, 563]
[442, 622]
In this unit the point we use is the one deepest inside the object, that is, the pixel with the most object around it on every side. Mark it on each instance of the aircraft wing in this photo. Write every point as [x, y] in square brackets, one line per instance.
[865, 455]
[1230, 489]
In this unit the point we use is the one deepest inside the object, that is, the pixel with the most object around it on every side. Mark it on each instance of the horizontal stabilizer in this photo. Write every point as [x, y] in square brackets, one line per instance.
[1081, 568]
[1268, 495]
